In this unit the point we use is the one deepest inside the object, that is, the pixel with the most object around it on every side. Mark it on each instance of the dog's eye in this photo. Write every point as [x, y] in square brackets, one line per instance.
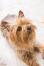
[19, 28]
[29, 28]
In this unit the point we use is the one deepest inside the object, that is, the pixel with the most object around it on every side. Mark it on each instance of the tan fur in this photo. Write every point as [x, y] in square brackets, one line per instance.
[24, 41]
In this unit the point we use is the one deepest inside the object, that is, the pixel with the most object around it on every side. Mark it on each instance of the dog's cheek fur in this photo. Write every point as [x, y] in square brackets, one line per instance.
[33, 36]
[12, 36]
[18, 35]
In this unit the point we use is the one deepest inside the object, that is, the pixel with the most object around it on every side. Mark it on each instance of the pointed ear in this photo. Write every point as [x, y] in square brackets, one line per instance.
[20, 14]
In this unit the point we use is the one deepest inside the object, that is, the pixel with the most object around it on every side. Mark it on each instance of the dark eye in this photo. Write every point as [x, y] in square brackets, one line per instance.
[19, 28]
[29, 28]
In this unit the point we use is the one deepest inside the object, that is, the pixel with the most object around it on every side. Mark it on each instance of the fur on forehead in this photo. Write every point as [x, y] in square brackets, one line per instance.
[22, 20]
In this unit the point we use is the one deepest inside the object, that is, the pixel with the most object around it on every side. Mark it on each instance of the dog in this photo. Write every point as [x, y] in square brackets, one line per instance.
[22, 36]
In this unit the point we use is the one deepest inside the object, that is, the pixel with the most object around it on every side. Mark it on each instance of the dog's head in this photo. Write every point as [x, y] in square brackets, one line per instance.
[23, 32]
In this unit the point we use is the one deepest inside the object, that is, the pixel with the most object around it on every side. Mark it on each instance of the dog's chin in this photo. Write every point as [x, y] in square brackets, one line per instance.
[24, 40]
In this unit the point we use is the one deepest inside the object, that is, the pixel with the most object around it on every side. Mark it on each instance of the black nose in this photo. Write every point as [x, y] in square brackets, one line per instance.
[29, 29]
[19, 28]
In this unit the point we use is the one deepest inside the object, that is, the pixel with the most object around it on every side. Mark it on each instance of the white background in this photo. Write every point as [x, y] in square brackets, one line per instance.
[33, 9]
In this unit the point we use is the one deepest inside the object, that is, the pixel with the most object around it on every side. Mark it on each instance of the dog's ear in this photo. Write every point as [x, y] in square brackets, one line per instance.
[34, 26]
[5, 25]
[20, 14]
